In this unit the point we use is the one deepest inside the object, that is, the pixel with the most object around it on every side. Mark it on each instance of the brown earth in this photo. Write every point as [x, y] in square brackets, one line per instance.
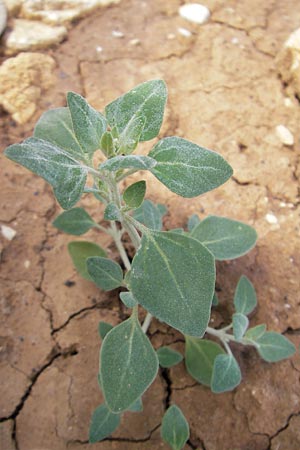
[224, 93]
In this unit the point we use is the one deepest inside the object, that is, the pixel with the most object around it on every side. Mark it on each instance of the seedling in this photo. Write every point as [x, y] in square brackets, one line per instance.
[172, 275]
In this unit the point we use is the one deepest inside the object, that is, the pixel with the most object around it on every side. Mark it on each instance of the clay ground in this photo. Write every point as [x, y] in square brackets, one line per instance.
[224, 93]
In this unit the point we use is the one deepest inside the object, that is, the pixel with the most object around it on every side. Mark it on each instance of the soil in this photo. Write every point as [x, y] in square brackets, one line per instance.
[224, 93]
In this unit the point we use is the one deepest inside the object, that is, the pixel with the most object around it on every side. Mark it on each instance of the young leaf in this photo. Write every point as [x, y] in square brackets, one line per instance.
[193, 222]
[240, 324]
[274, 347]
[226, 374]
[168, 357]
[150, 215]
[75, 221]
[130, 136]
[137, 406]
[103, 423]
[172, 276]
[200, 355]
[175, 429]
[187, 169]
[88, 124]
[137, 162]
[215, 300]
[80, 251]
[146, 100]
[128, 365]
[134, 195]
[128, 299]
[66, 175]
[104, 272]
[225, 238]
[107, 144]
[112, 212]
[256, 332]
[245, 296]
[104, 328]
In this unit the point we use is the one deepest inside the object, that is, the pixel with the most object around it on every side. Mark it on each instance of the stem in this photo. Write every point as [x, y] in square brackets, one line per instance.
[225, 337]
[126, 174]
[147, 322]
[131, 230]
[116, 234]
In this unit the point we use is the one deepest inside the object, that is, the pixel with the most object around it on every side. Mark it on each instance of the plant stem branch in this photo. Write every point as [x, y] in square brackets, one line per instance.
[147, 322]
[117, 238]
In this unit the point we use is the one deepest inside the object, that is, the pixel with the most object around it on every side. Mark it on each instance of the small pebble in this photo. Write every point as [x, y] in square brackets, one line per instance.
[284, 134]
[171, 36]
[194, 12]
[117, 34]
[99, 49]
[7, 232]
[235, 40]
[184, 32]
[288, 102]
[27, 264]
[271, 218]
[134, 42]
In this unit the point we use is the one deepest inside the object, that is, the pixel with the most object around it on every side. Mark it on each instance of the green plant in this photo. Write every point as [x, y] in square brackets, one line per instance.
[172, 275]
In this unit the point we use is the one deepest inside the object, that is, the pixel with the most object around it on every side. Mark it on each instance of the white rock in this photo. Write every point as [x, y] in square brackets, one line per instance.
[184, 32]
[284, 134]
[99, 49]
[271, 218]
[12, 6]
[117, 34]
[8, 232]
[288, 102]
[134, 42]
[194, 12]
[288, 61]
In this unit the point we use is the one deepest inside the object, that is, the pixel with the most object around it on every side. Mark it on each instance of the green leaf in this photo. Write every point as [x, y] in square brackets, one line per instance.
[104, 272]
[134, 195]
[193, 222]
[187, 169]
[225, 238]
[128, 299]
[103, 423]
[104, 328]
[177, 230]
[200, 355]
[66, 175]
[149, 215]
[137, 406]
[245, 296]
[75, 221]
[128, 364]
[107, 144]
[173, 277]
[215, 300]
[137, 162]
[256, 332]
[80, 251]
[168, 357]
[274, 347]
[240, 324]
[175, 429]
[56, 126]
[112, 212]
[226, 374]
[147, 100]
[88, 124]
[130, 136]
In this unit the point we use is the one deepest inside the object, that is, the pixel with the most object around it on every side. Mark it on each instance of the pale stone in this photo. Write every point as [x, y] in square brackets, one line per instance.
[117, 34]
[12, 6]
[8, 232]
[184, 32]
[32, 35]
[3, 17]
[194, 12]
[284, 134]
[288, 61]
[271, 218]
[22, 81]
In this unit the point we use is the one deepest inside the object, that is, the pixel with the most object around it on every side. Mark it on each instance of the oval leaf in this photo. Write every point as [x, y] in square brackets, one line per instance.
[225, 238]
[76, 221]
[134, 195]
[112, 212]
[187, 169]
[103, 423]
[177, 288]
[80, 251]
[104, 328]
[193, 222]
[128, 299]
[107, 144]
[240, 324]
[256, 332]
[137, 162]
[245, 296]
[175, 429]
[130, 136]
[104, 272]
[128, 365]
[226, 374]
[150, 215]
[274, 347]
[168, 357]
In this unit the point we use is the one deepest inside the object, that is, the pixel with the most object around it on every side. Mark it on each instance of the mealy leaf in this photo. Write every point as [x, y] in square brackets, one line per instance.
[147, 100]
[175, 428]
[240, 323]
[215, 300]
[80, 251]
[137, 406]
[130, 136]
[168, 357]
[112, 212]
[103, 423]
[172, 276]
[104, 328]
[88, 124]
[200, 355]
[75, 221]
[226, 374]
[177, 230]
[104, 272]
[128, 299]
[187, 169]
[225, 238]
[137, 162]
[193, 222]
[128, 364]
[134, 194]
[107, 144]
[245, 296]
[256, 332]
[274, 347]
[150, 215]
[66, 175]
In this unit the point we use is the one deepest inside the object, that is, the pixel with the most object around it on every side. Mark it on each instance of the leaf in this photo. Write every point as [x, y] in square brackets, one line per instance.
[245, 296]
[88, 124]
[130, 136]
[134, 195]
[274, 347]
[256, 332]
[128, 299]
[137, 162]
[56, 126]
[128, 365]
[137, 406]
[149, 215]
[193, 222]
[107, 144]
[104, 272]
[175, 429]
[66, 175]
[240, 324]
[226, 374]
[200, 355]
[103, 424]
[187, 169]
[104, 328]
[168, 357]
[172, 276]
[80, 251]
[147, 100]
[112, 212]
[215, 300]
[75, 221]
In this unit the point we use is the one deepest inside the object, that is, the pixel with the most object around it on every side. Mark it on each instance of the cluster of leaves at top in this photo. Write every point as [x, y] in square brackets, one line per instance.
[172, 275]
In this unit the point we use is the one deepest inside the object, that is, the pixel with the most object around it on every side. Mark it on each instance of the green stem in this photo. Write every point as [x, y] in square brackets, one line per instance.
[117, 238]
[126, 174]
[226, 337]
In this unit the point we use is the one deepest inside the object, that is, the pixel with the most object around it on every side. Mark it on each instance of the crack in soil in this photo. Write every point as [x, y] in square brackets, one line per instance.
[165, 375]
[282, 429]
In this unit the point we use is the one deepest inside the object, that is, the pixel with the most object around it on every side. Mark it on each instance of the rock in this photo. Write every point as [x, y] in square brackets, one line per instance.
[32, 35]
[194, 12]
[12, 6]
[284, 134]
[22, 82]
[8, 232]
[288, 61]
[3, 17]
